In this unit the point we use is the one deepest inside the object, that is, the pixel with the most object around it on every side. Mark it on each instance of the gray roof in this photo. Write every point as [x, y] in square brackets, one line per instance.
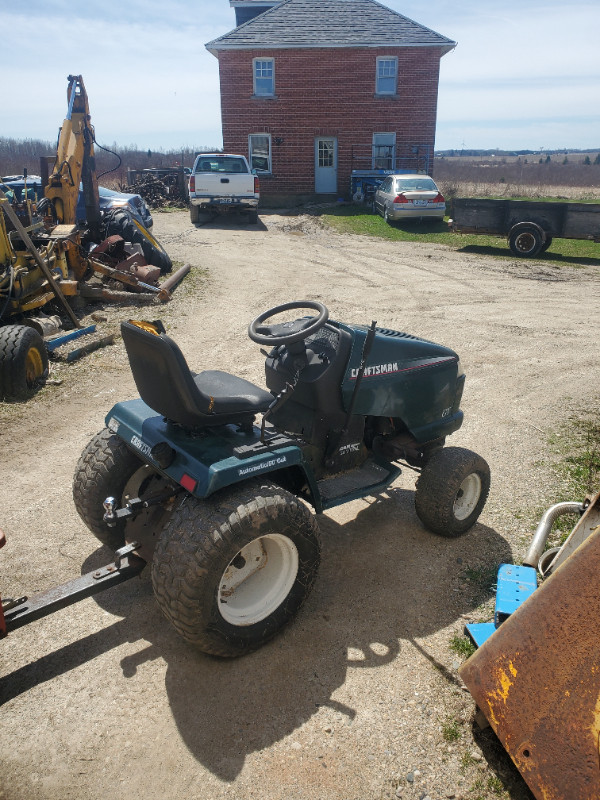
[329, 23]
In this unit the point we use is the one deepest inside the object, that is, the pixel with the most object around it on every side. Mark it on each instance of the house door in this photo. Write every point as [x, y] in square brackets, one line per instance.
[326, 165]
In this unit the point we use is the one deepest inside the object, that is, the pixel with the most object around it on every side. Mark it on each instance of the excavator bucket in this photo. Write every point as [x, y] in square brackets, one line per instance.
[537, 678]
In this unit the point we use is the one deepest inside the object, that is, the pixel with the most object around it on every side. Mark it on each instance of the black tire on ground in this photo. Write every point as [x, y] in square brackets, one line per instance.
[452, 490]
[546, 244]
[23, 361]
[120, 223]
[252, 217]
[386, 215]
[194, 214]
[231, 570]
[525, 242]
[104, 469]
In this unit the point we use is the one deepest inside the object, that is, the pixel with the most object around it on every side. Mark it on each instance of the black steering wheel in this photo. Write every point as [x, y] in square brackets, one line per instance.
[287, 332]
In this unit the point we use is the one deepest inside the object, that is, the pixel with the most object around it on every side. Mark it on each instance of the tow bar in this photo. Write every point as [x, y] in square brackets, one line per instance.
[14, 613]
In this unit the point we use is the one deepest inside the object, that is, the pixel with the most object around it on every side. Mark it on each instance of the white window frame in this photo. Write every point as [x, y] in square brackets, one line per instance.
[378, 155]
[251, 149]
[259, 90]
[383, 72]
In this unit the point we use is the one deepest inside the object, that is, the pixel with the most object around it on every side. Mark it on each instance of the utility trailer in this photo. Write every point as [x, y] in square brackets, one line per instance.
[529, 226]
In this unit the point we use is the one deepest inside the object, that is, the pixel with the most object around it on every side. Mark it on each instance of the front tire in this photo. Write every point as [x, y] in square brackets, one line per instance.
[231, 570]
[104, 469]
[23, 361]
[452, 490]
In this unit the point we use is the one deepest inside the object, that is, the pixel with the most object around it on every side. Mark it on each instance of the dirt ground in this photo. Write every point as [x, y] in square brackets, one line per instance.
[357, 698]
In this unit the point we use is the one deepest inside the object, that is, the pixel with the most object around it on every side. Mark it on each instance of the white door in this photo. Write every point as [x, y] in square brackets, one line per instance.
[326, 165]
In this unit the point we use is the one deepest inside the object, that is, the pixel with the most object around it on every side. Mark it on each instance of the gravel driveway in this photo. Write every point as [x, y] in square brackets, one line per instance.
[359, 699]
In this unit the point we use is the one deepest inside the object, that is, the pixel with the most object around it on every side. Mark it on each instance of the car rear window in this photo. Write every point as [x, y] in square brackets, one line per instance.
[221, 164]
[415, 184]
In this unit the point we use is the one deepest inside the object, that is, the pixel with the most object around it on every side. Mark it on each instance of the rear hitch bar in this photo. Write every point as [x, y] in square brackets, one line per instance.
[134, 505]
[16, 613]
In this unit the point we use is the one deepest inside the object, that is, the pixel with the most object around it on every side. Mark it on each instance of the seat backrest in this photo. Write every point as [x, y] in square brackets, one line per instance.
[163, 377]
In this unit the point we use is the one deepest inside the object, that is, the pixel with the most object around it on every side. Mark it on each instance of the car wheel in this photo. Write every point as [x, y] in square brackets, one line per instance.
[231, 570]
[23, 361]
[386, 215]
[452, 490]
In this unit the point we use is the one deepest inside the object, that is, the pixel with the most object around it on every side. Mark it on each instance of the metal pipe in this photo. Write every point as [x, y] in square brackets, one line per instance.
[175, 278]
[540, 537]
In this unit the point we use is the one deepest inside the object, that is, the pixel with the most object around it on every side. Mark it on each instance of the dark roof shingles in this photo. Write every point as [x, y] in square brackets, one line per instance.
[329, 23]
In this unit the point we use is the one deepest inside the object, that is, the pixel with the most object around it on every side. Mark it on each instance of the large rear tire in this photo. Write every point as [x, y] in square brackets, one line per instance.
[23, 361]
[452, 490]
[104, 469]
[231, 570]
[121, 223]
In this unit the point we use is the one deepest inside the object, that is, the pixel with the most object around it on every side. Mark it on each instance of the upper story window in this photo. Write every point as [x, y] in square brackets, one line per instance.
[386, 76]
[264, 76]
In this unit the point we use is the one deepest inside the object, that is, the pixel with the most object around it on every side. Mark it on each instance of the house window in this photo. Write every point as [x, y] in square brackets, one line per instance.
[386, 76]
[384, 150]
[264, 77]
[259, 150]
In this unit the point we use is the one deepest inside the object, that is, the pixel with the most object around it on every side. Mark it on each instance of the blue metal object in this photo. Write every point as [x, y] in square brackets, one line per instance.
[515, 584]
[60, 340]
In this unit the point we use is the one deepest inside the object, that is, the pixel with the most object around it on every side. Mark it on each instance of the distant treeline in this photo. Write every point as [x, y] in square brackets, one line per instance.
[510, 153]
[19, 154]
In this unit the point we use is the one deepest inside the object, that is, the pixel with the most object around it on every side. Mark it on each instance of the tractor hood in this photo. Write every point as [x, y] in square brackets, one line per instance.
[403, 374]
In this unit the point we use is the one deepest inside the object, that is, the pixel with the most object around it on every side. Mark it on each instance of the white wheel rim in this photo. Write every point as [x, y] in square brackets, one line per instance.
[257, 581]
[467, 496]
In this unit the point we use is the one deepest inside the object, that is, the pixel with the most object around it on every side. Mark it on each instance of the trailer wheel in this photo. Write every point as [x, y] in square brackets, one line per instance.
[23, 361]
[452, 490]
[105, 469]
[231, 570]
[546, 244]
[119, 222]
[525, 241]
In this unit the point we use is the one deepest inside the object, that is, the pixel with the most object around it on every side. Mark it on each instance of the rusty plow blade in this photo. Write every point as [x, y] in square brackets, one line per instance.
[537, 678]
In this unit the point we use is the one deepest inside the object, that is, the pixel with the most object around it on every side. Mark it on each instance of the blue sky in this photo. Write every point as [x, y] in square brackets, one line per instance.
[525, 75]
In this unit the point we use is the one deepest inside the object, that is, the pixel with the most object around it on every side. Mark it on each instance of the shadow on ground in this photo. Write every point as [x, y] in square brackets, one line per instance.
[384, 583]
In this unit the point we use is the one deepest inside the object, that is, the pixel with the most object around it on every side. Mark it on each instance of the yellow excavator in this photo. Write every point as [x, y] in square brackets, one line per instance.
[44, 252]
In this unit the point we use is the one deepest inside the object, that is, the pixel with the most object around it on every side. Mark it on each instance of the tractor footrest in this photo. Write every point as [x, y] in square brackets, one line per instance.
[370, 478]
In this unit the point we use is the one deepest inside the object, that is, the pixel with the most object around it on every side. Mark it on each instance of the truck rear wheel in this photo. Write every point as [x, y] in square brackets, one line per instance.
[194, 214]
[252, 217]
[452, 490]
[231, 570]
[525, 241]
[23, 361]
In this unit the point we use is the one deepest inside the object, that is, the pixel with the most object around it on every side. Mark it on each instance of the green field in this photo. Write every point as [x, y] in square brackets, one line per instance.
[358, 220]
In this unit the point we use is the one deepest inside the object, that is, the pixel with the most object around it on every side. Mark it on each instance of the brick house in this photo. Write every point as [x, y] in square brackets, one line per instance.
[312, 90]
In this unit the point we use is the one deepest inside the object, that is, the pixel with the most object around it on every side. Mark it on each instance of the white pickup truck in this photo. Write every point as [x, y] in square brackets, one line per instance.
[221, 182]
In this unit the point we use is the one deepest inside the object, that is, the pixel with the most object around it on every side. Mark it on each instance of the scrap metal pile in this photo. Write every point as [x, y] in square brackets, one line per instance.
[159, 192]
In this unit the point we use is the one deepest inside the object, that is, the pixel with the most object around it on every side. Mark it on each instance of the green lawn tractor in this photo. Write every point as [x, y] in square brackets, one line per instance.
[223, 508]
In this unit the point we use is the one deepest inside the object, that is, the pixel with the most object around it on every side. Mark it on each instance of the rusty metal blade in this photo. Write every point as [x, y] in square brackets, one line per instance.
[537, 680]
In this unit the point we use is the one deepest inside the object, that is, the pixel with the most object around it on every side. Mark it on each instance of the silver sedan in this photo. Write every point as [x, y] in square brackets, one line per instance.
[409, 197]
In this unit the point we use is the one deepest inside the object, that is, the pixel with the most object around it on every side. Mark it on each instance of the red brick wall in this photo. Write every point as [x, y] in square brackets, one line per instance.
[327, 92]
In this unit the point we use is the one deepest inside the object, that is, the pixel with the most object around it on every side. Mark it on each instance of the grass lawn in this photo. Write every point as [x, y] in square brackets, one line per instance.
[357, 219]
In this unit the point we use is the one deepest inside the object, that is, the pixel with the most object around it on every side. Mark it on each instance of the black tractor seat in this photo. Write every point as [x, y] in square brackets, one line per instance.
[167, 385]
